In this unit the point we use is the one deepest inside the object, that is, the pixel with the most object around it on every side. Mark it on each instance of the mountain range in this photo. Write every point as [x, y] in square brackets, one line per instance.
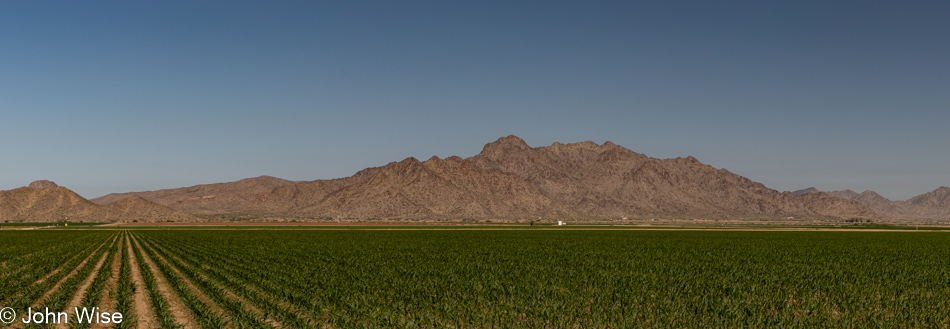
[510, 180]
[507, 180]
[931, 205]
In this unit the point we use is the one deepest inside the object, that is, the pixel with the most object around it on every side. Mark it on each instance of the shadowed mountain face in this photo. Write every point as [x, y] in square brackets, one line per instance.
[511, 180]
[44, 201]
[931, 205]
[806, 191]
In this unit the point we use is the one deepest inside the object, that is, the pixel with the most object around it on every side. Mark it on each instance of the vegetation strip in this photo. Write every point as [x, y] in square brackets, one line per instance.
[108, 274]
[119, 288]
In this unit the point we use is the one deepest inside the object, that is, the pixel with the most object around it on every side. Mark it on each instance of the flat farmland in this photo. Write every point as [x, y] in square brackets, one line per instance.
[481, 279]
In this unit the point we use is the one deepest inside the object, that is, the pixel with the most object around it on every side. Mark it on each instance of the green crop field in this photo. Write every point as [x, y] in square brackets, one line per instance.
[483, 279]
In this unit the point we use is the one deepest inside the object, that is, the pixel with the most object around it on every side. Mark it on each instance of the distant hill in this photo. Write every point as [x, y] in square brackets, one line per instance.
[931, 205]
[44, 201]
[511, 180]
[806, 191]
[206, 199]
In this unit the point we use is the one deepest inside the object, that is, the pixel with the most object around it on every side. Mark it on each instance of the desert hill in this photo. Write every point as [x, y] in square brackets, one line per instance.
[41, 184]
[206, 199]
[931, 205]
[44, 201]
[511, 180]
[806, 191]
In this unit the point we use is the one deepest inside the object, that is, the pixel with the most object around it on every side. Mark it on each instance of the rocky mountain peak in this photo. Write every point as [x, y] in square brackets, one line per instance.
[806, 191]
[505, 145]
[42, 184]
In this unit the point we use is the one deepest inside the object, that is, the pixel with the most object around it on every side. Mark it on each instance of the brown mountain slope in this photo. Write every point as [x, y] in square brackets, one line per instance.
[138, 209]
[510, 179]
[939, 198]
[435, 189]
[846, 194]
[934, 204]
[206, 199]
[47, 202]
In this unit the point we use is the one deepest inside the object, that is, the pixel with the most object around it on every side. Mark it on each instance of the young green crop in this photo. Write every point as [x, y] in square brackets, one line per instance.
[240, 316]
[28, 284]
[584, 278]
[527, 278]
[211, 272]
[70, 287]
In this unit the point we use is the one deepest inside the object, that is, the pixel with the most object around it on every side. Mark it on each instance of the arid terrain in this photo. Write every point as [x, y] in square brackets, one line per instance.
[931, 205]
[507, 181]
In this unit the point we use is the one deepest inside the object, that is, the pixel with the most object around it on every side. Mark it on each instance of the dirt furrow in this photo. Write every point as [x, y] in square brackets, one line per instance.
[145, 316]
[107, 301]
[175, 305]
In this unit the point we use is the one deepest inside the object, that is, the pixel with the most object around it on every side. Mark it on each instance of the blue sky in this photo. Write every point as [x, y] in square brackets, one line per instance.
[113, 96]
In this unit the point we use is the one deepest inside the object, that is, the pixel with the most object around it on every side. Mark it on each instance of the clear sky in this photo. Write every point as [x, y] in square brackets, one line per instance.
[114, 96]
